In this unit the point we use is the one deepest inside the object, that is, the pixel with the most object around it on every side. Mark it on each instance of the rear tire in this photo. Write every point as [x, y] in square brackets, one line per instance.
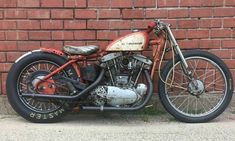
[201, 115]
[20, 104]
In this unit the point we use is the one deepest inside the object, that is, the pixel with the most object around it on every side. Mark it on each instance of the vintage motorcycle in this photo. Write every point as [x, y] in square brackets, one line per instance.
[194, 86]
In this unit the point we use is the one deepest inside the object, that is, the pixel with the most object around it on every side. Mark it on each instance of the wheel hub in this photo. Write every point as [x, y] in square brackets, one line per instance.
[46, 87]
[196, 87]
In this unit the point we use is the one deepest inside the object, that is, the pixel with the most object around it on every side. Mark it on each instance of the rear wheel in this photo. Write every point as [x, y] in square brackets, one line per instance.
[201, 99]
[23, 78]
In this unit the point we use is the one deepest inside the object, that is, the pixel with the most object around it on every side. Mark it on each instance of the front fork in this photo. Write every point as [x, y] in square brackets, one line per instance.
[176, 48]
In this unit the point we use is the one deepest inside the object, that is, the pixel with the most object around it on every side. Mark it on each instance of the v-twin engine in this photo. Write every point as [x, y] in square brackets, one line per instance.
[115, 96]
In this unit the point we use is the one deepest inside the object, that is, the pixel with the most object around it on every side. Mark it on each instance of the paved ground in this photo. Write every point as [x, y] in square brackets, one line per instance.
[117, 128]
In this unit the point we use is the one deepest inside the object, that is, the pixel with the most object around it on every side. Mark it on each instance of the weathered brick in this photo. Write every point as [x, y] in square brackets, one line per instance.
[16, 35]
[224, 12]
[51, 24]
[84, 35]
[201, 12]
[221, 33]
[144, 3]
[62, 35]
[99, 3]
[121, 3]
[85, 14]
[188, 24]
[209, 23]
[156, 13]
[130, 14]
[51, 3]
[230, 2]
[28, 45]
[39, 14]
[228, 43]
[120, 25]
[28, 3]
[61, 14]
[109, 14]
[98, 24]
[28, 24]
[190, 3]
[230, 22]
[15, 14]
[75, 3]
[195, 34]
[7, 24]
[74, 24]
[209, 44]
[167, 3]
[39, 35]
[12, 56]
[8, 46]
[8, 3]
[107, 35]
[178, 13]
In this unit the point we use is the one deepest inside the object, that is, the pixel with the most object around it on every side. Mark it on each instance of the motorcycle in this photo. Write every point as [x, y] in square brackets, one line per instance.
[194, 86]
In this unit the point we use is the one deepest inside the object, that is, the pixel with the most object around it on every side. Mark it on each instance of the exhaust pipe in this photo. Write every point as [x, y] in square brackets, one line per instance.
[72, 97]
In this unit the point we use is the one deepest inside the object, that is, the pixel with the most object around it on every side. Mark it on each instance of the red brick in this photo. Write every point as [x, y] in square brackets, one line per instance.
[187, 44]
[8, 46]
[201, 13]
[39, 35]
[74, 24]
[98, 24]
[224, 12]
[51, 3]
[225, 53]
[38, 14]
[208, 23]
[190, 3]
[51, 24]
[144, 3]
[5, 67]
[3, 57]
[179, 34]
[28, 45]
[16, 35]
[140, 24]
[188, 24]
[28, 24]
[28, 3]
[75, 43]
[61, 14]
[130, 14]
[1, 14]
[107, 35]
[167, 3]
[209, 44]
[230, 22]
[75, 3]
[195, 34]
[120, 25]
[62, 35]
[8, 3]
[228, 43]
[172, 22]
[121, 3]
[230, 63]
[7, 25]
[12, 56]
[85, 14]
[206, 3]
[3, 83]
[2, 35]
[178, 13]
[99, 3]
[221, 33]
[230, 2]
[109, 14]
[84, 35]
[156, 13]
[52, 44]
[15, 14]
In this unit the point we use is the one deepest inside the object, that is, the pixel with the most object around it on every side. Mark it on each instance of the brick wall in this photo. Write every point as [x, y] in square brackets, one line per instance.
[31, 24]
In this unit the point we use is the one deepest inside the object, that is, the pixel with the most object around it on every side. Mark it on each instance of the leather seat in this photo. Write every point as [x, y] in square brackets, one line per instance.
[80, 50]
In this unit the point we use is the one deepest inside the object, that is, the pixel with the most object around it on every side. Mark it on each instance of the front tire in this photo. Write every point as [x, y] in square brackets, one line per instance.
[21, 79]
[213, 78]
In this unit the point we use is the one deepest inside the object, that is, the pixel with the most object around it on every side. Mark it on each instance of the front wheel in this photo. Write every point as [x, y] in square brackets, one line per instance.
[202, 98]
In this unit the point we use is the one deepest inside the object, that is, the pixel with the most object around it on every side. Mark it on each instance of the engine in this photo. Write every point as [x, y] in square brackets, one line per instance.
[121, 85]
